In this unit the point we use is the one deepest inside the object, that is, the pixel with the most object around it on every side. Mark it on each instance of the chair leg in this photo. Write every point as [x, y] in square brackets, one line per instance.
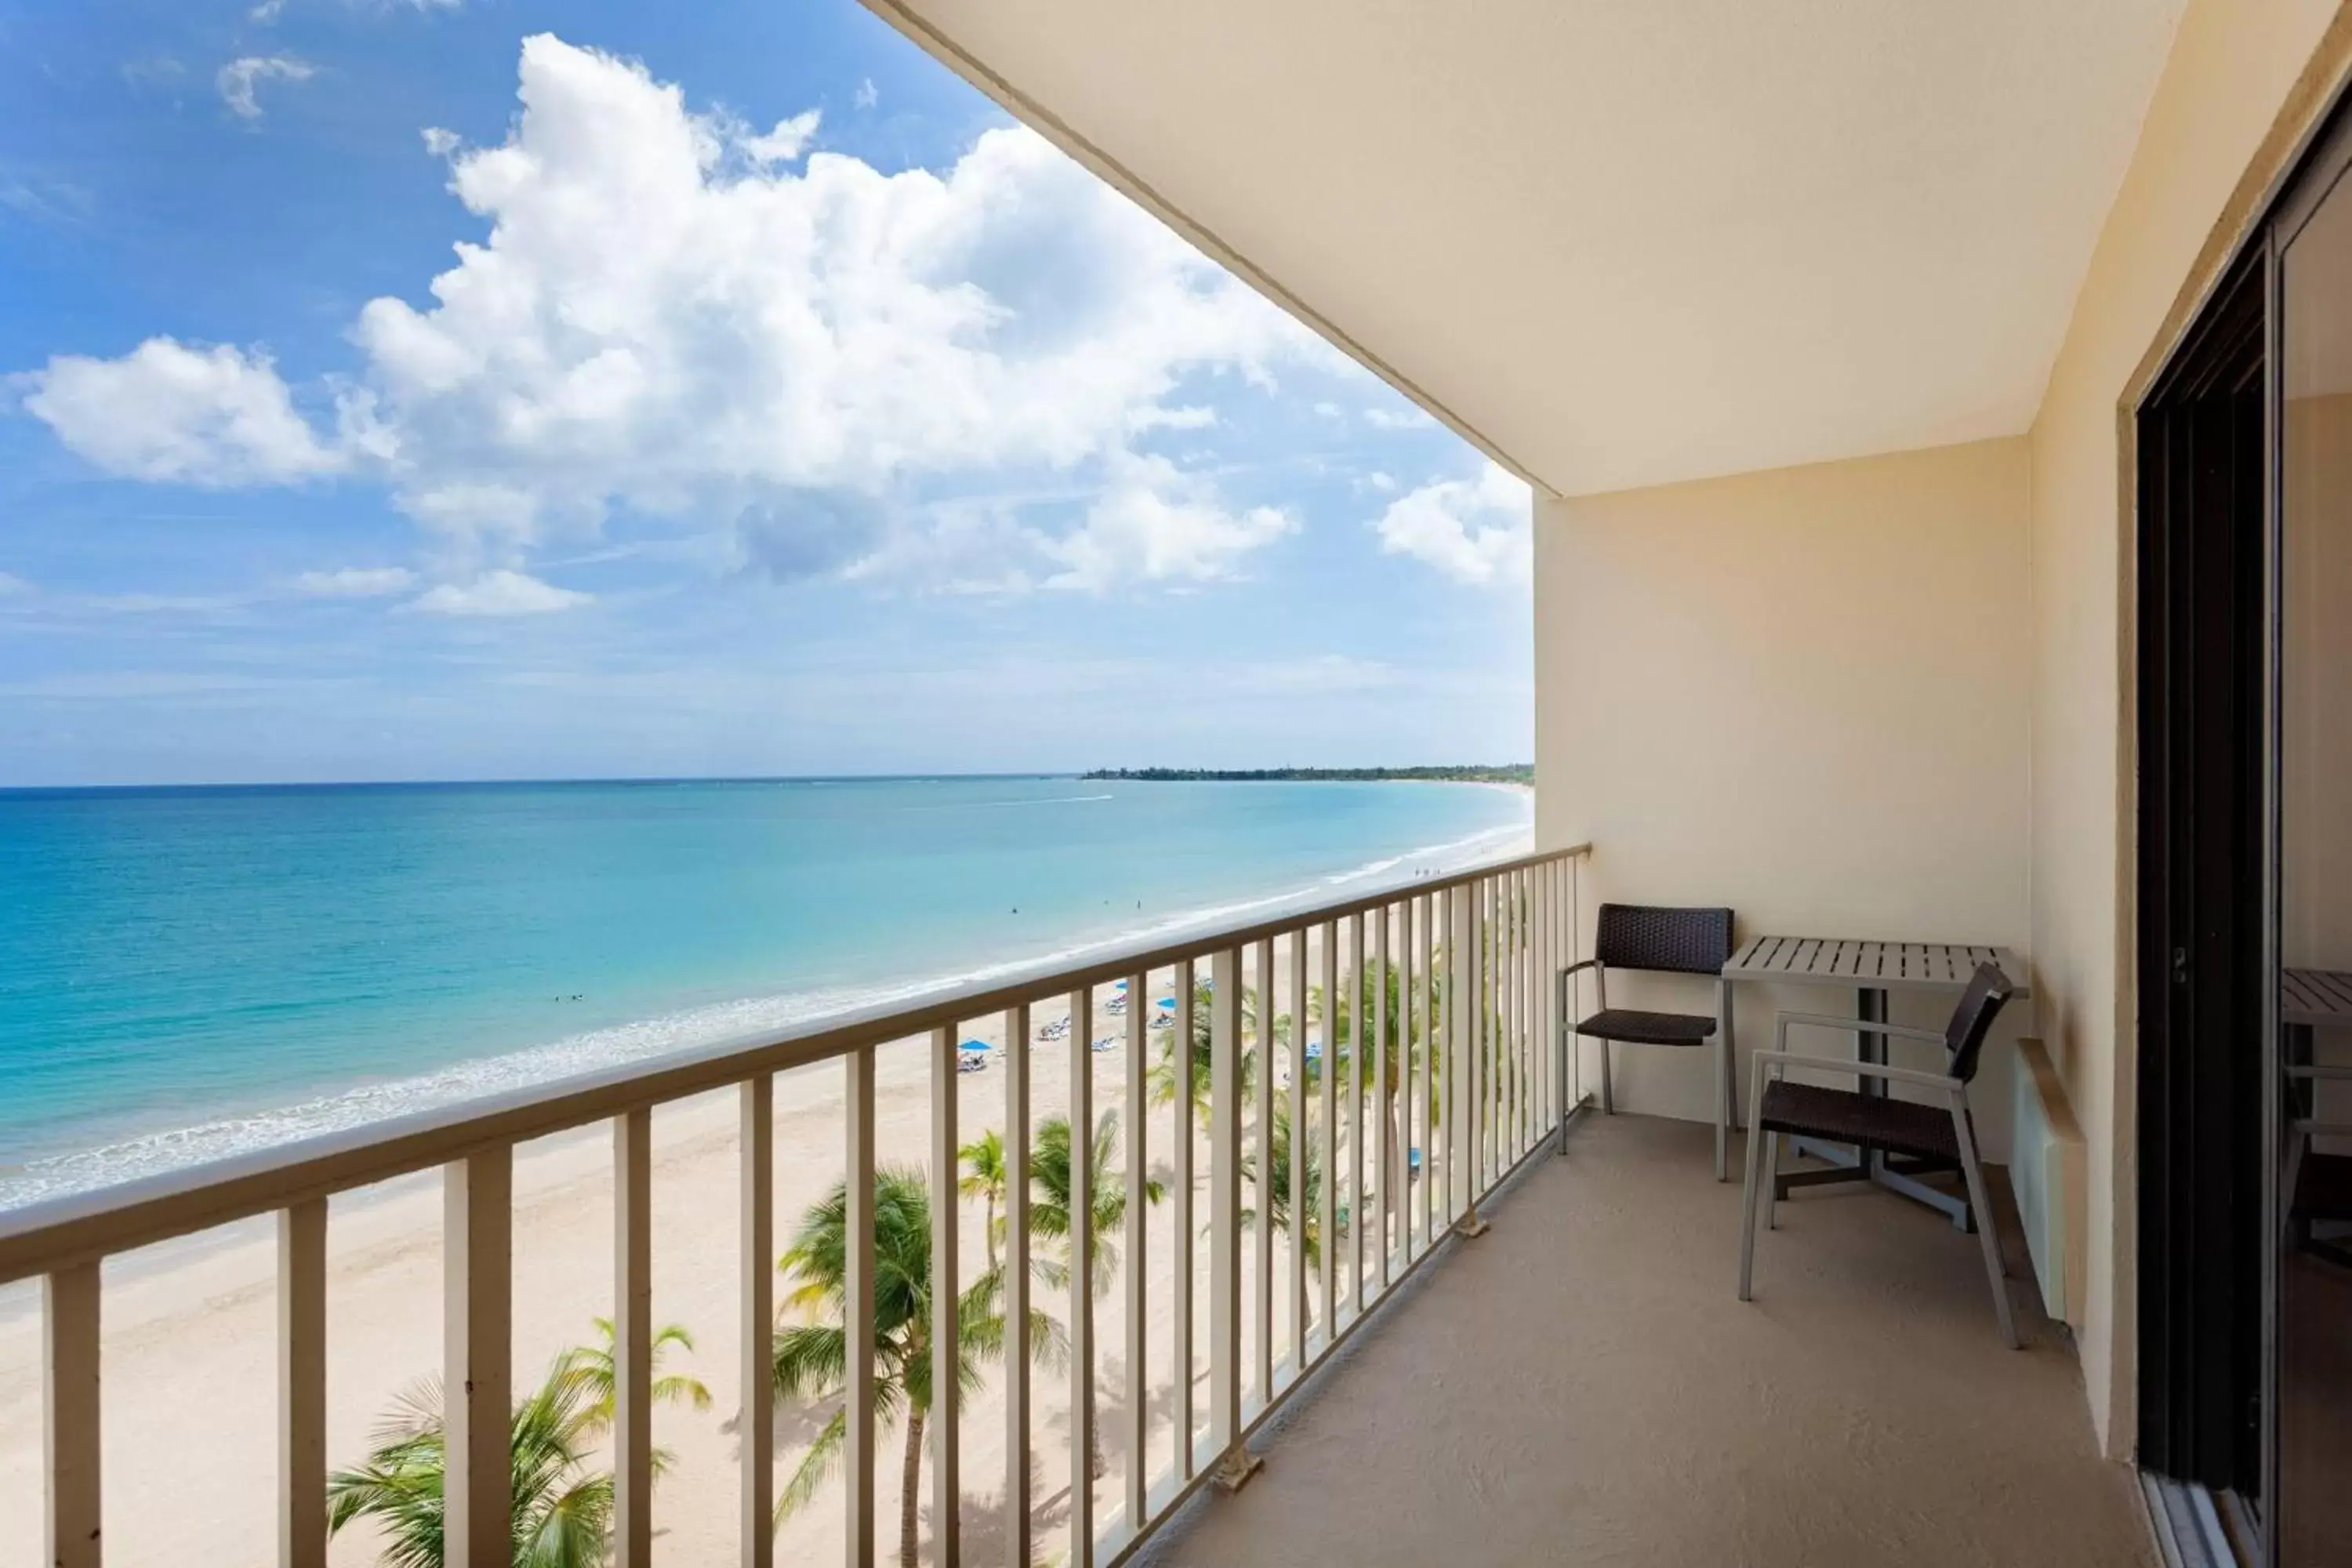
[1722, 1108]
[1771, 1181]
[1608, 1095]
[1747, 1200]
[1979, 1201]
[1731, 1059]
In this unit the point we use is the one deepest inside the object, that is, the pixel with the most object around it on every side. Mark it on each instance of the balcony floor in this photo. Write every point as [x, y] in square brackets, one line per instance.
[1581, 1385]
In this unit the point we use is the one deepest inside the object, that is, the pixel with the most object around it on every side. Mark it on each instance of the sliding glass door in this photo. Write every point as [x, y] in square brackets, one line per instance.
[2310, 1137]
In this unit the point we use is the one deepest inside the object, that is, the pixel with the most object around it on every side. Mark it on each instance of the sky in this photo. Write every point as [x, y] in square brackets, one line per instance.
[398, 389]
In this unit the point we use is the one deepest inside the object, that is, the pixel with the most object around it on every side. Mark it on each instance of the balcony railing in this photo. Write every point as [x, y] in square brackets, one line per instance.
[1452, 1068]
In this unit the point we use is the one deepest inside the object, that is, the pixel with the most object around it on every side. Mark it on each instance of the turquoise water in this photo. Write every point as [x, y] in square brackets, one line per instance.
[188, 973]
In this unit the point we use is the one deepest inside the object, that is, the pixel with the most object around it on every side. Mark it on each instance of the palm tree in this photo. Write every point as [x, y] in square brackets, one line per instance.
[1399, 1044]
[1199, 1052]
[563, 1510]
[1278, 1189]
[809, 1358]
[1049, 1209]
[593, 1367]
[984, 1177]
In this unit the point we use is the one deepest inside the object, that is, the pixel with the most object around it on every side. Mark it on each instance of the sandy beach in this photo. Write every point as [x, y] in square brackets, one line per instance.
[189, 1336]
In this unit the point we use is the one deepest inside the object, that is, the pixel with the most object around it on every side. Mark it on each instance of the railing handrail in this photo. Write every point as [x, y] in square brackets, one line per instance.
[78, 1227]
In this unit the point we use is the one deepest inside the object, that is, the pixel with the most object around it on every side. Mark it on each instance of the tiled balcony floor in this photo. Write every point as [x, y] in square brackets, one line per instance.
[1580, 1385]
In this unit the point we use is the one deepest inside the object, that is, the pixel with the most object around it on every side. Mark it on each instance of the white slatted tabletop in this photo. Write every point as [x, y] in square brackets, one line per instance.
[2316, 998]
[1870, 966]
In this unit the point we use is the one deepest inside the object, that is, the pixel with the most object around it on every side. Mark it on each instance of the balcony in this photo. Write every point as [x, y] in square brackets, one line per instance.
[1577, 1381]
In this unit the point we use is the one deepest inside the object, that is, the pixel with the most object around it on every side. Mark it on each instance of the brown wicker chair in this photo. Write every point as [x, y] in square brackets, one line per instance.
[1874, 1123]
[1667, 941]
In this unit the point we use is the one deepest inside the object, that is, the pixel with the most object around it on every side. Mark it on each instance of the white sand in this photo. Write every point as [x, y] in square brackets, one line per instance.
[189, 1363]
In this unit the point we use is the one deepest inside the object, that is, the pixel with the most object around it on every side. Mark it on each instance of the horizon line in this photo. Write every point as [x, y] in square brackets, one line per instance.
[528, 780]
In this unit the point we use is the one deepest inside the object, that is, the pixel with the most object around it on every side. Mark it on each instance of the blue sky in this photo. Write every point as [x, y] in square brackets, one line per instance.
[488, 388]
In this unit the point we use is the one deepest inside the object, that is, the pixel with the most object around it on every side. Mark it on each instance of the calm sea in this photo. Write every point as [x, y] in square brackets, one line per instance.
[187, 973]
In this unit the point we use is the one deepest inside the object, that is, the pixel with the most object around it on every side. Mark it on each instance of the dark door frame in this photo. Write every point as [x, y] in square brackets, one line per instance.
[2203, 729]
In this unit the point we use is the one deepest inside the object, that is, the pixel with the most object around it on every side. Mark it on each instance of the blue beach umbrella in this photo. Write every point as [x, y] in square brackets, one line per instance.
[975, 1047]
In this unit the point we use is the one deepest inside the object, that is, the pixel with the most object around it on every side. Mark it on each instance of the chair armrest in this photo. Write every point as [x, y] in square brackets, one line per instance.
[1580, 963]
[1858, 1026]
[1784, 1060]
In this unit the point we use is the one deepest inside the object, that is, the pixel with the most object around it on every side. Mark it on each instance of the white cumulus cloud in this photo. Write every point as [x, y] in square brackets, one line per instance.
[239, 81]
[787, 141]
[1474, 530]
[673, 314]
[166, 411]
[356, 582]
[1152, 522]
[498, 592]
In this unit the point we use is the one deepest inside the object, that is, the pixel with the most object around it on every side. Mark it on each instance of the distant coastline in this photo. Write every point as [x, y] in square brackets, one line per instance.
[1506, 774]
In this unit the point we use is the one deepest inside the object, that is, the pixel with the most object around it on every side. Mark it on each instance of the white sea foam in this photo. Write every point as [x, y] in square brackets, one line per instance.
[596, 1049]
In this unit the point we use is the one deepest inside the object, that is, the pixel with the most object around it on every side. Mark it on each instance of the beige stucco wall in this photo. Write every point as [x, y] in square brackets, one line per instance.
[1802, 693]
[2240, 80]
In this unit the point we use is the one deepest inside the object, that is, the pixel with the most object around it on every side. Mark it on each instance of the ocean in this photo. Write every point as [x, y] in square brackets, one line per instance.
[187, 973]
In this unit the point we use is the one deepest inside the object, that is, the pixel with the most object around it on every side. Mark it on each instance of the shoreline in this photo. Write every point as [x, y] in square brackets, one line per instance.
[231, 1133]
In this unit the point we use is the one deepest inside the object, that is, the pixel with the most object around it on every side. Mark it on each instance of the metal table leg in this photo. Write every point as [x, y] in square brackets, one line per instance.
[1895, 1176]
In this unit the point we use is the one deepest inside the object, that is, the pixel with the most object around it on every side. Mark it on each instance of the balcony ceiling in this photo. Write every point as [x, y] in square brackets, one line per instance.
[1622, 242]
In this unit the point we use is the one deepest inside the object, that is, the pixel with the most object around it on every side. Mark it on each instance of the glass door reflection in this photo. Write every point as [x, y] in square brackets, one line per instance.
[2313, 1326]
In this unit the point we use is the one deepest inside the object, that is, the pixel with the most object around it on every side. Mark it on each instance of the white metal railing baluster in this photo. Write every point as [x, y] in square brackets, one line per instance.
[1081, 1243]
[1017, 1286]
[1263, 1199]
[1466, 1010]
[1531, 1009]
[302, 1384]
[1382, 1150]
[1407, 1087]
[1548, 1101]
[858, 1307]
[1423, 948]
[1225, 1220]
[1573, 919]
[1298, 1152]
[1490, 1055]
[1412, 1045]
[947, 1327]
[69, 1397]
[633, 1353]
[1138, 1387]
[1355, 1129]
[1515, 982]
[1563, 1005]
[1179, 1060]
[1507, 1077]
[756, 1209]
[1327, 1133]
[1522, 919]
[1446, 995]
[477, 1348]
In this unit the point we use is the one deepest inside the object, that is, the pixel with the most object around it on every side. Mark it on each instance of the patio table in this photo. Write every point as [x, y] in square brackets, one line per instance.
[1872, 971]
